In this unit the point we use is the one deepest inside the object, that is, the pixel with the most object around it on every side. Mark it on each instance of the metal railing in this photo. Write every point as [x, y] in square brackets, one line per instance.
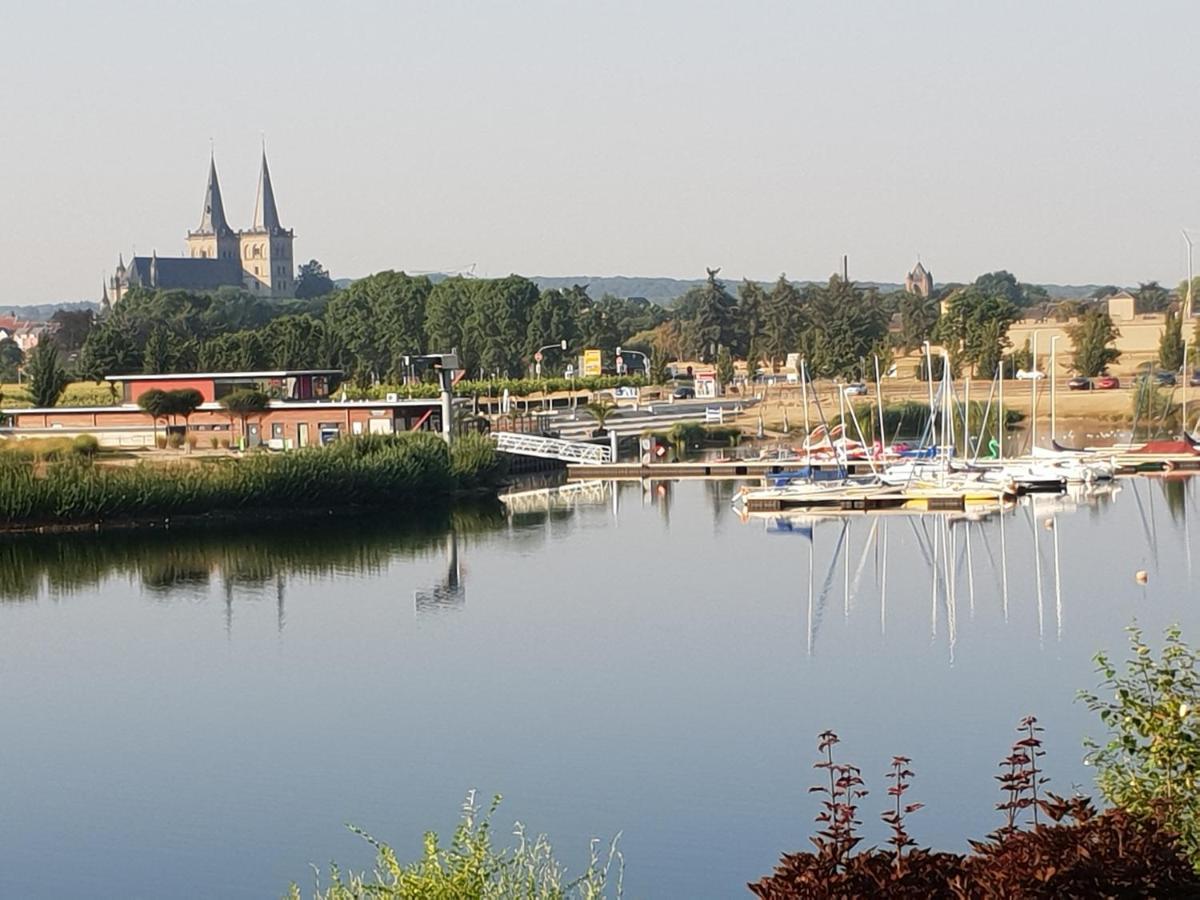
[551, 448]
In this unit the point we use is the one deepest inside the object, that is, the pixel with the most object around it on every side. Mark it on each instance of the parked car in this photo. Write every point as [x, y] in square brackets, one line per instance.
[1080, 383]
[1194, 381]
[1035, 375]
[1107, 383]
[684, 393]
[858, 389]
[1166, 379]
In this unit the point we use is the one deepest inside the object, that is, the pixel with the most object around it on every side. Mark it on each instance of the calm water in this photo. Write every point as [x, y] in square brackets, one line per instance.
[198, 715]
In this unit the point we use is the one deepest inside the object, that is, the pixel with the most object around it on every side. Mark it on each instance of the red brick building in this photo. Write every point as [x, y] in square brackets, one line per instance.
[303, 412]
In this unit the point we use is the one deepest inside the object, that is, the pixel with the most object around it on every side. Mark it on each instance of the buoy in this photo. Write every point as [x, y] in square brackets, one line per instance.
[1048, 524]
[1142, 576]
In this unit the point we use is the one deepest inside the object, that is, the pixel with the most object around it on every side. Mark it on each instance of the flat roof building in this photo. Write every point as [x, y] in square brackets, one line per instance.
[301, 413]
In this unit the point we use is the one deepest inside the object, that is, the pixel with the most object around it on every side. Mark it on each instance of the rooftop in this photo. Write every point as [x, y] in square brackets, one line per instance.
[189, 376]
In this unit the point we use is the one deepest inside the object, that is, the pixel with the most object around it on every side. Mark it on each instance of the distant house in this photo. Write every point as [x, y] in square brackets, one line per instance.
[24, 334]
[1122, 306]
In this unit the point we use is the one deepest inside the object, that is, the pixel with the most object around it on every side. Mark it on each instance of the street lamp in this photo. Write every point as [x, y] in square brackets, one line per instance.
[645, 360]
[537, 357]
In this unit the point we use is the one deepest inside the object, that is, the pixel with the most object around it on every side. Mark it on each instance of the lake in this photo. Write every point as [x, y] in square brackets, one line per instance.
[197, 714]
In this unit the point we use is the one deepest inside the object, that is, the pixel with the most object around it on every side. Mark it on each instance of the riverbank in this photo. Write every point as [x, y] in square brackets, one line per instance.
[362, 472]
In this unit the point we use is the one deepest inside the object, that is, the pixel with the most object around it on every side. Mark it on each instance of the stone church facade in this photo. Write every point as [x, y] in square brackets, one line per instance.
[259, 259]
[919, 281]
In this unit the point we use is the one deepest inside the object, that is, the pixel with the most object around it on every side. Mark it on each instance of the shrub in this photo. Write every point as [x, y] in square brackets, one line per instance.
[472, 868]
[1074, 853]
[85, 445]
[175, 441]
[475, 461]
[1150, 764]
[213, 441]
[192, 440]
[160, 441]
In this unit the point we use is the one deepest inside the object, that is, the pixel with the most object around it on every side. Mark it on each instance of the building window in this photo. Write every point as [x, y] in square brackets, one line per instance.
[277, 430]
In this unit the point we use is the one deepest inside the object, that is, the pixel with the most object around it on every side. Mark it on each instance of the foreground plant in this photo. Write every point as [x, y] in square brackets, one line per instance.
[1048, 846]
[470, 868]
[1150, 764]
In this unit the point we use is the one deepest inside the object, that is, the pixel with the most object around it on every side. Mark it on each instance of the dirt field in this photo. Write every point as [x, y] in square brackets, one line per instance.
[1106, 410]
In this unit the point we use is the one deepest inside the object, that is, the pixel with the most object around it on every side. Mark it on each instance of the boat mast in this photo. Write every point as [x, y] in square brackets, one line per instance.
[1000, 418]
[879, 400]
[1033, 398]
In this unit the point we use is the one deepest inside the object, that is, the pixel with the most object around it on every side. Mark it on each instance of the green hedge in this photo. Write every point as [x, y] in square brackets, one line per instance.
[516, 387]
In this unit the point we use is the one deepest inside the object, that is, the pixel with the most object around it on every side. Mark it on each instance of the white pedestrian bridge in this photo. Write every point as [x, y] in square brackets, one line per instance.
[551, 448]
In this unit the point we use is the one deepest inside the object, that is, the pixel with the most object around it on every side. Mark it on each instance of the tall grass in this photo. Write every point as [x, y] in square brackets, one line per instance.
[471, 868]
[368, 470]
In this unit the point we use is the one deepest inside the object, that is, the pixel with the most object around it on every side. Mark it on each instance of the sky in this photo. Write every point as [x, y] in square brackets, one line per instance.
[1057, 140]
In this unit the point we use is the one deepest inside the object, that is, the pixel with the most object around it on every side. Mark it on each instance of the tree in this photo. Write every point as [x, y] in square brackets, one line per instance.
[975, 326]
[156, 357]
[11, 358]
[1151, 297]
[725, 371]
[712, 310]
[69, 328]
[918, 318]
[1170, 344]
[658, 368]
[380, 319]
[108, 350]
[749, 320]
[783, 315]
[157, 404]
[1091, 337]
[47, 378]
[313, 281]
[245, 404]
[842, 328]
[184, 402]
[600, 410]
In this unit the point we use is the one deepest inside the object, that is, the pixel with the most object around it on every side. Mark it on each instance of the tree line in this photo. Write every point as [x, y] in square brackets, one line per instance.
[499, 324]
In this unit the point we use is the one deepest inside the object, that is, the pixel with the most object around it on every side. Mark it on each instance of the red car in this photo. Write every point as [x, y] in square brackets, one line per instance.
[1107, 383]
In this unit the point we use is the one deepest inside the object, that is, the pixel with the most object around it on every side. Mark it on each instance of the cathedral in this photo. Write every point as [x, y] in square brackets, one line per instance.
[258, 260]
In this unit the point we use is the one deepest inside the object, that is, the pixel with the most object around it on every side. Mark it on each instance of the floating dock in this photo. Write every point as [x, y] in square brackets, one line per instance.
[748, 468]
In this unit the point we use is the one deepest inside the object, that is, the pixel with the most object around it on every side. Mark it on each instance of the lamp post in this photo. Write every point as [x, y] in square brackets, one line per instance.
[537, 359]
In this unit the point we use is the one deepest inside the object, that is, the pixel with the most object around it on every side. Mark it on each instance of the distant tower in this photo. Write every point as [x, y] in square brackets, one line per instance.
[919, 281]
[266, 248]
[214, 239]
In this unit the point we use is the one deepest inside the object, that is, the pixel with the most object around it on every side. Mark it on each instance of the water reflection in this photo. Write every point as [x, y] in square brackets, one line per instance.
[185, 563]
[842, 547]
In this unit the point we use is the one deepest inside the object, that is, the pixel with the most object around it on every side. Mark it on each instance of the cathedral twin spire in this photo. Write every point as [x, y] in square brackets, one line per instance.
[266, 215]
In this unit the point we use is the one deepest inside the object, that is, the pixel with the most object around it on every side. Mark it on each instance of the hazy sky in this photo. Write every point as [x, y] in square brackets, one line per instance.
[1058, 140]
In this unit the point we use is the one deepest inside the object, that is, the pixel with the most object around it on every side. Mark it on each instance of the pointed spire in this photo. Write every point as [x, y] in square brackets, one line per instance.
[266, 216]
[213, 219]
[120, 262]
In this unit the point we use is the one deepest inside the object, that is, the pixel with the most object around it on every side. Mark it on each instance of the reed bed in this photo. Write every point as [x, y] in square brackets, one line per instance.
[370, 470]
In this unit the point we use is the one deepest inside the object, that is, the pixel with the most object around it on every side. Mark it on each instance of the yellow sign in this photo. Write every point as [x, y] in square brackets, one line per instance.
[591, 363]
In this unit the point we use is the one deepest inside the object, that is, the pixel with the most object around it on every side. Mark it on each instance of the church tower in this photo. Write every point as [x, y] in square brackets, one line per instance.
[266, 248]
[214, 239]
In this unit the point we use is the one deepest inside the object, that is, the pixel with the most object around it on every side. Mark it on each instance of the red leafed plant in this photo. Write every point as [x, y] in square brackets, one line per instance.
[1068, 850]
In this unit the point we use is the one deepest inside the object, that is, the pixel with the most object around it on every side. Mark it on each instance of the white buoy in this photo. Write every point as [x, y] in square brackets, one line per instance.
[1142, 576]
